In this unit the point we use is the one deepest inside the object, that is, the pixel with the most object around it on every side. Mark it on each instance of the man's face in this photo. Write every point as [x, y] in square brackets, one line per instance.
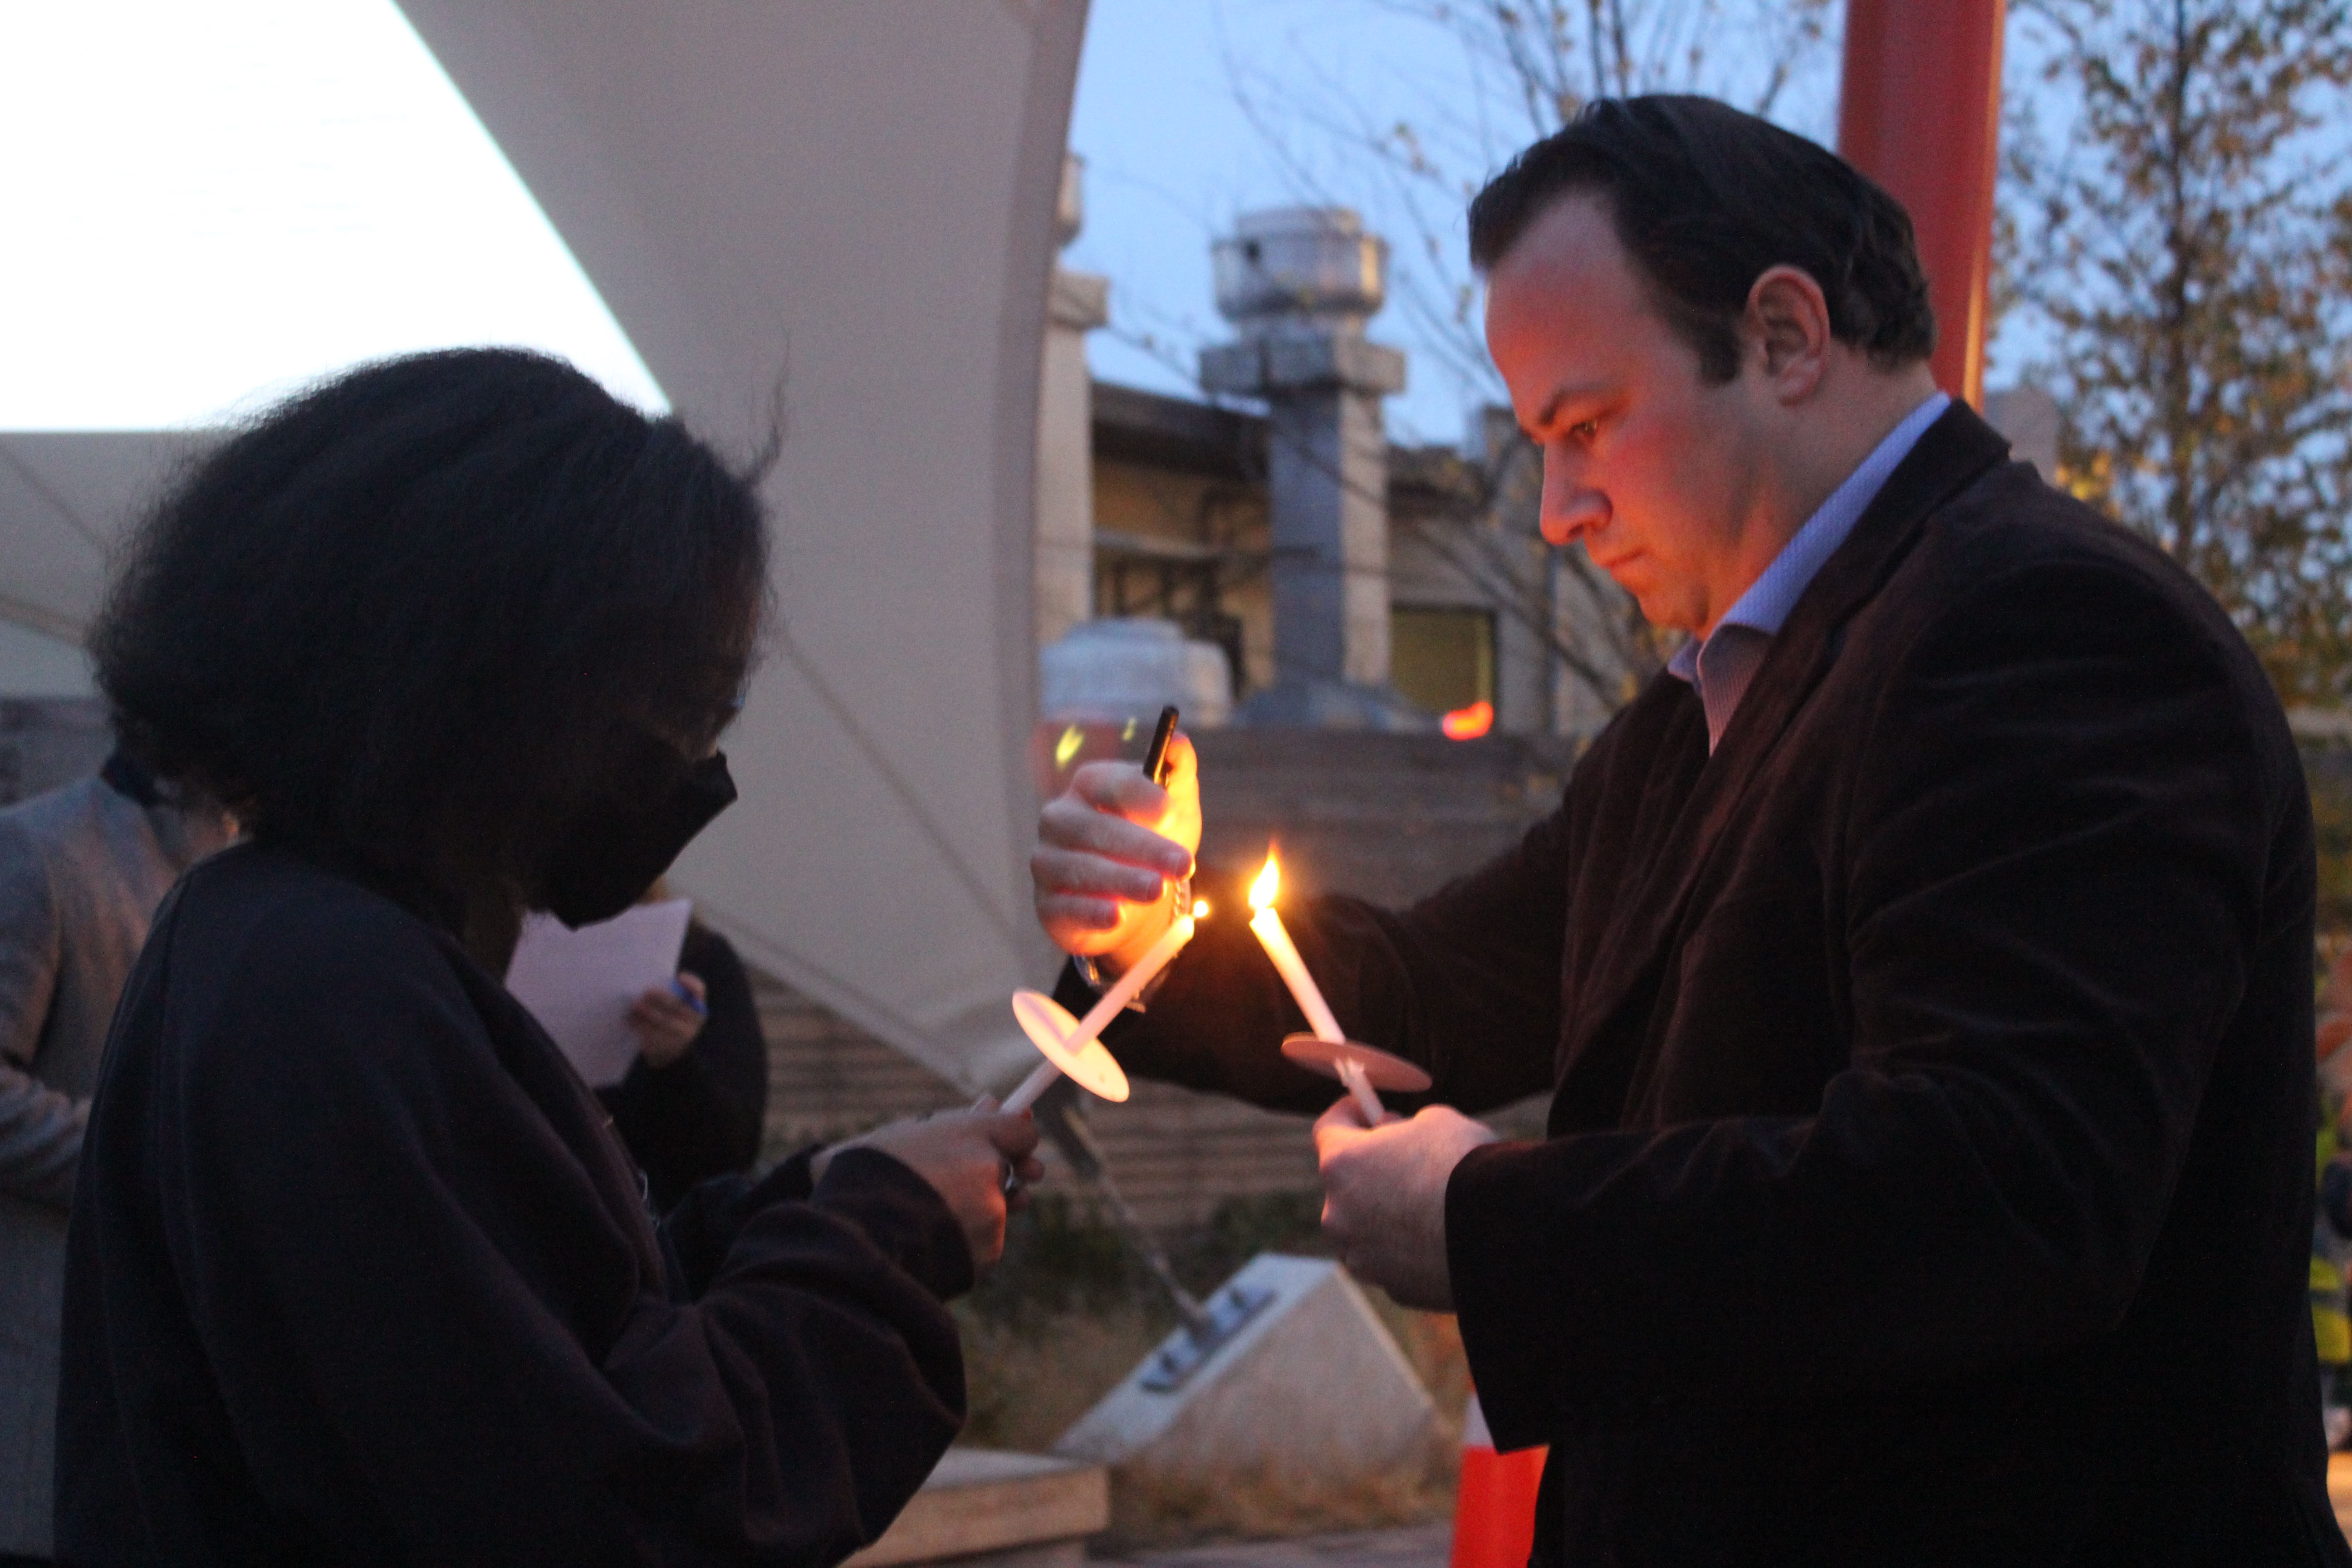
[1654, 471]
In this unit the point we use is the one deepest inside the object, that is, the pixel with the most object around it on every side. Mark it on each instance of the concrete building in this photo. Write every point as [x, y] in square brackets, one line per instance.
[1184, 529]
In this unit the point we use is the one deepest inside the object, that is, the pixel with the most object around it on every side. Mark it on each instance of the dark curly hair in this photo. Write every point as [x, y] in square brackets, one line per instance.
[1704, 200]
[414, 618]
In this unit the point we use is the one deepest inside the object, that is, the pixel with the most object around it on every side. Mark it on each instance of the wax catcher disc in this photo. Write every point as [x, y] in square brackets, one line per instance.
[1049, 1026]
[1384, 1070]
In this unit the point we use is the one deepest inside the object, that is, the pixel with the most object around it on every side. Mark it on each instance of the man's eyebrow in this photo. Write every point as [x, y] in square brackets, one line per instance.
[1543, 420]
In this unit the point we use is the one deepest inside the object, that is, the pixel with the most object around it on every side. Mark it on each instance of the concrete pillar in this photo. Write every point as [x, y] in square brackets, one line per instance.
[1065, 554]
[1327, 481]
[1300, 283]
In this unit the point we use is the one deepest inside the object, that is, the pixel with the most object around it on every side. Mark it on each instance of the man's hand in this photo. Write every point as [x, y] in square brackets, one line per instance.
[1106, 849]
[1384, 1196]
[964, 1155]
[666, 1022]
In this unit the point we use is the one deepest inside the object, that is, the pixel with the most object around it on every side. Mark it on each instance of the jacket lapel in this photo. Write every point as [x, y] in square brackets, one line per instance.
[1951, 453]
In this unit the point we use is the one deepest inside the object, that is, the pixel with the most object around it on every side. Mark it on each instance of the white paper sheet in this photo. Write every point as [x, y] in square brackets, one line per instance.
[580, 984]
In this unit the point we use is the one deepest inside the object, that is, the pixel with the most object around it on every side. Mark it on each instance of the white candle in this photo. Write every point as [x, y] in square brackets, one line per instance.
[1368, 1099]
[1041, 1078]
[1275, 937]
[1276, 942]
[1122, 991]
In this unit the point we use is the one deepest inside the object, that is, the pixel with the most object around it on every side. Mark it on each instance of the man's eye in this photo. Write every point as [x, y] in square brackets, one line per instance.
[1584, 430]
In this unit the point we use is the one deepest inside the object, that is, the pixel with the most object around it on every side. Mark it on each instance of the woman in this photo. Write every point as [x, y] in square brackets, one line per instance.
[357, 1270]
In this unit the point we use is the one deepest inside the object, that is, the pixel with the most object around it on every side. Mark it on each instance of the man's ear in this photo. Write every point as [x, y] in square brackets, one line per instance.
[1788, 331]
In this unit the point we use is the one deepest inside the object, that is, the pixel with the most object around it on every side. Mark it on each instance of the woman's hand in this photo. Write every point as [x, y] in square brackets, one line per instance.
[964, 1155]
[666, 1023]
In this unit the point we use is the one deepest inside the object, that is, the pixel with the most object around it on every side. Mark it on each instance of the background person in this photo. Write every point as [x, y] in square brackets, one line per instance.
[1919, 966]
[81, 871]
[692, 1105]
[357, 1270]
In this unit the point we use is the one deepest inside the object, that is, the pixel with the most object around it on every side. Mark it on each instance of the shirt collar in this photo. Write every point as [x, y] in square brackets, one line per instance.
[1764, 607]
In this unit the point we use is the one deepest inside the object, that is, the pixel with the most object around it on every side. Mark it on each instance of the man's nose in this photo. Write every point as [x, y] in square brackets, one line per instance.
[1572, 508]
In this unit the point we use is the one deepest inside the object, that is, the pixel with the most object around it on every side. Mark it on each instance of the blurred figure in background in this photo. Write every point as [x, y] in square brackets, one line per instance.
[81, 871]
[693, 1103]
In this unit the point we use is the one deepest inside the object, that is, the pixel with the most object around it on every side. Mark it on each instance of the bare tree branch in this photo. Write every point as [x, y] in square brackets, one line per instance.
[2191, 231]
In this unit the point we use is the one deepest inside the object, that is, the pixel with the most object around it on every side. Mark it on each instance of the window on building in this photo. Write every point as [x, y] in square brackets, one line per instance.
[1441, 658]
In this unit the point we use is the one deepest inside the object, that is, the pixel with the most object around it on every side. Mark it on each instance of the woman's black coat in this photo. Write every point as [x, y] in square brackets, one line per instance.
[358, 1273]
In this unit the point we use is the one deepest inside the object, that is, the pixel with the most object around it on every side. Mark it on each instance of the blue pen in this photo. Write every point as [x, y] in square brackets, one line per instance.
[701, 1009]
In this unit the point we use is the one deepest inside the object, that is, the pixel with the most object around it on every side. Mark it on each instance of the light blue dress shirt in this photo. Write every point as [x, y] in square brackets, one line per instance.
[1720, 667]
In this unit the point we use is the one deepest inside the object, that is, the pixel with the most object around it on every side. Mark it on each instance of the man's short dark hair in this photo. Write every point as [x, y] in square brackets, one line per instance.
[414, 619]
[1705, 199]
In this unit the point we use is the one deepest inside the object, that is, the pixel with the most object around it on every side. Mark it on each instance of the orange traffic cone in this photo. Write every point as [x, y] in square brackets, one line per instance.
[1494, 1511]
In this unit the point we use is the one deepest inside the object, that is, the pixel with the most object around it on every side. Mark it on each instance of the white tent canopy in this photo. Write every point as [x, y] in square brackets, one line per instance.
[849, 206]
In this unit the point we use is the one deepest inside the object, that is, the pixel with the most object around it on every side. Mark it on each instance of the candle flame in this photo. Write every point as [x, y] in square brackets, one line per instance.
[1268, 884]
[1200, 909]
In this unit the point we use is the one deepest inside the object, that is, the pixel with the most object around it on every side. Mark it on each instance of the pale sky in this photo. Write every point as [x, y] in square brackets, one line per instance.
[212, 201]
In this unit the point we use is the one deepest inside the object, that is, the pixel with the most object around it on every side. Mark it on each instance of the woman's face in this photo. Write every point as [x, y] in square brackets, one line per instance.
[657, 799]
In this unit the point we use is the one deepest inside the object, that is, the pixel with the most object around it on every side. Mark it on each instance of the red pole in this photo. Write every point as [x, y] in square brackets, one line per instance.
[1920, 114]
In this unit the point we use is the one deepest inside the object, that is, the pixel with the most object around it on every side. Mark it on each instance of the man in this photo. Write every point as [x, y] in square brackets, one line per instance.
[81, 871]
[1920, 967]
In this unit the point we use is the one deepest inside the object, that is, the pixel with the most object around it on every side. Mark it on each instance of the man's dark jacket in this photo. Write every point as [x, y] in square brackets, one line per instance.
[1929, 1171]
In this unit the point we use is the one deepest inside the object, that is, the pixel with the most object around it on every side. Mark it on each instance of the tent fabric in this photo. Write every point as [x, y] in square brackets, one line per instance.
[65, 499]
[833, 221]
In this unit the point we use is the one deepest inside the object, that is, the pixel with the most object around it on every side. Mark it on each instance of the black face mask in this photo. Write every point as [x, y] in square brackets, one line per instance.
[613, 855]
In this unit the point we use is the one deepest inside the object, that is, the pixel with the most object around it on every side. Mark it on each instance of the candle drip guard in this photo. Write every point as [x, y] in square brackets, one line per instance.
[1381, 1069]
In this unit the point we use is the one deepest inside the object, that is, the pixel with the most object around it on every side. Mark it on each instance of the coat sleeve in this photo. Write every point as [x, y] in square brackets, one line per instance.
[40, 1128]
[1466, 983]
[2071, 841]
[377, 1221]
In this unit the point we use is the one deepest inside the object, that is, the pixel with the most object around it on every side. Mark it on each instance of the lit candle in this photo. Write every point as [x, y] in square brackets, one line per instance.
[1121, 993]
[1267, 924]
[1276, 940]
